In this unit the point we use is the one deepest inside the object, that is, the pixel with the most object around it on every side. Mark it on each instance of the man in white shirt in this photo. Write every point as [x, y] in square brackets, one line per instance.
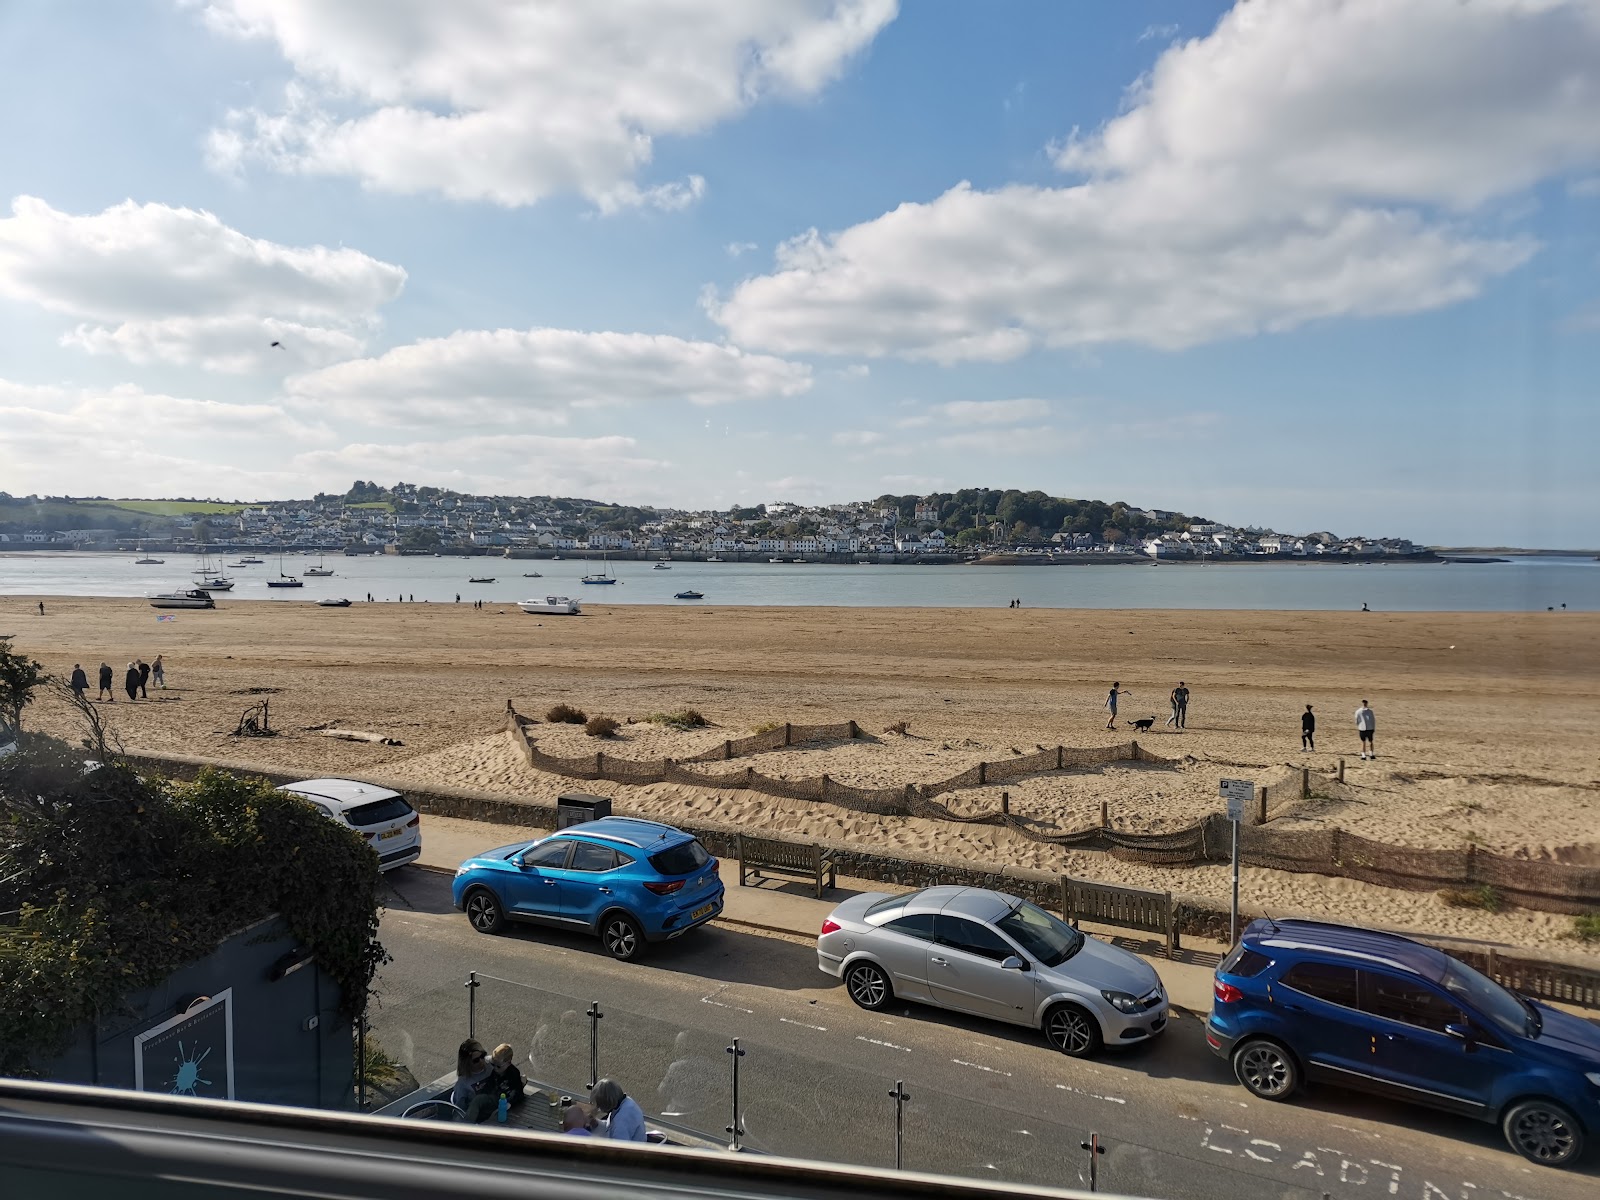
[1366, 726]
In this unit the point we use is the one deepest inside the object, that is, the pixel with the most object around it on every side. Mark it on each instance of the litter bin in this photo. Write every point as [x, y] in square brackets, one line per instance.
[573, 808]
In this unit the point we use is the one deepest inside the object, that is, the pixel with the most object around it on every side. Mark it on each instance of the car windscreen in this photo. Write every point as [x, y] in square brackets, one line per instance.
[1487, 997]
[680, 859]
[378, 812]
[1050, 940]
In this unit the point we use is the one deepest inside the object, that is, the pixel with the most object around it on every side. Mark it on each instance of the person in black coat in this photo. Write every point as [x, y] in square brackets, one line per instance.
[1308, 729]
[106, 692]
[130, 682]
[144, 678]
[80, 681]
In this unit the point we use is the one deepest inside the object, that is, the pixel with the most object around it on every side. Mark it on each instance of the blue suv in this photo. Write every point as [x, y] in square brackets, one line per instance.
[1298, 1000]
[628, 881]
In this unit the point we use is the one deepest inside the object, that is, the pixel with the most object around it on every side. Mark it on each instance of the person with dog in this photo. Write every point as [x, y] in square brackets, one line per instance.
[1308, 729]
[1366, 726]
[1111, 703]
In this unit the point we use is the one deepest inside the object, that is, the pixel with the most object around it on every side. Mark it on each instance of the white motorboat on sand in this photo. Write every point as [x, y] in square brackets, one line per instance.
[551, 605]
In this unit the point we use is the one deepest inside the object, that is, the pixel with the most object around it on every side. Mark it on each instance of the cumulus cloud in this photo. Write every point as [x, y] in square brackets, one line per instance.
[509, 103]
[540, 374]
[163, 284]
[1304, 161]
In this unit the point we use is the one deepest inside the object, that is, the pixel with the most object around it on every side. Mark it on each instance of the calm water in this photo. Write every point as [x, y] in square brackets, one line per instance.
[1519, 585]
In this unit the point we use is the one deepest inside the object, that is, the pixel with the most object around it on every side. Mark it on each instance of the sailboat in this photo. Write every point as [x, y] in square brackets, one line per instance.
[209, 579]
[319, 569]
[284, 580]
[604, 577]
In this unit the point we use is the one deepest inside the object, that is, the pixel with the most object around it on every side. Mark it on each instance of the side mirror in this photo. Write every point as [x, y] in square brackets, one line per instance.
[1013, 963]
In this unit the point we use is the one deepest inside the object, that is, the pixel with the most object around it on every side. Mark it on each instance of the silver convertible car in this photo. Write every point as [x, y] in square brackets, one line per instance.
[992, 955]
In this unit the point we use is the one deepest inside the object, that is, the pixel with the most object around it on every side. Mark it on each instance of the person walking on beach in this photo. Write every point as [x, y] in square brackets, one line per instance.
[106, 691]
[130, 682]
[1111, 703]
[1366, 726]
[158, 673]
[1364, 607]
[144, 680]
[1180, 706]
[41, 608]
[1308, 729]
[80, 682]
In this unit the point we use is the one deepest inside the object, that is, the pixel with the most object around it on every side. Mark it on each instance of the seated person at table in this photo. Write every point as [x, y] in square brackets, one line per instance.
[622, 1120]
[506, 1079]
[472, 1092]
[577, 1120]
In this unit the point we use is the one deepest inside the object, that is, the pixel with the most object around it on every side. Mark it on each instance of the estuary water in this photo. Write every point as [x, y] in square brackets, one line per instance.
[1520, 585]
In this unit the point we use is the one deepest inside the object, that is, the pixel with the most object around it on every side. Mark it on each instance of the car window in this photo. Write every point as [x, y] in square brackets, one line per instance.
[623, 858]
[1243, 962]
[961, 934]
[917, 925]
[1325, 981]
[547, 854]
[680, 859]
[377, 812]
[586, 856]
[1488, 997]
[1408, 1000]
[1047, 938]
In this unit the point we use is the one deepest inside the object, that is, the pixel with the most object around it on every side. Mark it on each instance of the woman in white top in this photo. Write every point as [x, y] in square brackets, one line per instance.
[622, 1120]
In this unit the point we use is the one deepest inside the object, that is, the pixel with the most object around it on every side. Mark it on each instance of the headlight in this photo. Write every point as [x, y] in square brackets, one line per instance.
[1123, 1002]
[1593, 1077]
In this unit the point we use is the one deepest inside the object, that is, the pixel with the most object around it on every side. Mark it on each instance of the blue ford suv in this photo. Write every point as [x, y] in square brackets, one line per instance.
[628, 881]
[1298, 1000]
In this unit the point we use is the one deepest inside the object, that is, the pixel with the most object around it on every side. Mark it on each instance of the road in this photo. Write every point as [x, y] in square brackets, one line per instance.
[987, 1100]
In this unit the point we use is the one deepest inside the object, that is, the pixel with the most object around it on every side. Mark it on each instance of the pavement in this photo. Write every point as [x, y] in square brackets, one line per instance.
[786, 907]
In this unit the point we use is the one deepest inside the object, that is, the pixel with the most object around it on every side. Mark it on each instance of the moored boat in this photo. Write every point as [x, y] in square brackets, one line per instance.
[331, 602]
[691, 594]
[182, 598]
[481, 579]
[148, 562]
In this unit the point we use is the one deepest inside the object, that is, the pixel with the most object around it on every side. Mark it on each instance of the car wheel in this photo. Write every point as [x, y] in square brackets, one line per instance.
[1266, 1069]
[621, 936]
[1544, 1132]
[1072, 1030]
[484, 911]
[868, 986]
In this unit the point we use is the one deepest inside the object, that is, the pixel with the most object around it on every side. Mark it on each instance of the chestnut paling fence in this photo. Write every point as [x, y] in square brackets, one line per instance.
[1549, 886]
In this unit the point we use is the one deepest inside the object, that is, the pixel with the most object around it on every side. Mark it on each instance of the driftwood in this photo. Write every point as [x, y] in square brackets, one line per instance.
[360, 735]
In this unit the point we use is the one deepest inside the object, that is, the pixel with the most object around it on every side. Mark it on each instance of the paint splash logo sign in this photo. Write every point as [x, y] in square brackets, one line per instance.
[190, 1054]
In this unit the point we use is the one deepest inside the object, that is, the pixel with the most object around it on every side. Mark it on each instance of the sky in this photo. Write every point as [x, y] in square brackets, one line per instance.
[1302, 264]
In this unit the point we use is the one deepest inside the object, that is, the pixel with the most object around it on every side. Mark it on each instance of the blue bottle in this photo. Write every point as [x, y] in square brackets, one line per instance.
[502, 1110]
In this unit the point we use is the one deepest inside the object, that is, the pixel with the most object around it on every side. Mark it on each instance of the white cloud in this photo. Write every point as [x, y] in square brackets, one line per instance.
[163, 284]
[738, 249]
[1305, 161]
[1153, 32]
[511, 375]
[1037, 440]
[484, 100]
[915, 483]
[1587, 189]
[857, 437]
[992, 412]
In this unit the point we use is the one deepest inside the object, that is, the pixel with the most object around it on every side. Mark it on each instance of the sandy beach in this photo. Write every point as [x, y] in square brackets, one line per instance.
[1485, 721]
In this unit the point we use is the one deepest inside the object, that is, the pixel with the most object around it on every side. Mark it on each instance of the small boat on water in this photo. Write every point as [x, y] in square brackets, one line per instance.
[605, 575]
[215, 583]
[689, 595]
[558, 605]
[532, 575]
[252, 562]
[662, 566]
[182, 598]
[148, 562]
[235, 565]
[481, 579]
[284, 581]
[331, 602]
[714, 558]
[776, 560]
[319, 570]
[555, 558]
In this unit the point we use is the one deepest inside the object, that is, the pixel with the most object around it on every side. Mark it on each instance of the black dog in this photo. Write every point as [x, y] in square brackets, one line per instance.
[1143, 725]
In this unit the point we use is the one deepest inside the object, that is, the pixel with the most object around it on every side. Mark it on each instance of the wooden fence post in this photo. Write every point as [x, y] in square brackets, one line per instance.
[727, 750]
[1005, 802]
[1060, 756]
[1472, 863]
[788, 732]
[983, 773]
[1305, 783]
[855, 730]
[749, 777]
[1135, 746]
[599, 765]
[1263, 799]
[1105, 819]
[1341, 770]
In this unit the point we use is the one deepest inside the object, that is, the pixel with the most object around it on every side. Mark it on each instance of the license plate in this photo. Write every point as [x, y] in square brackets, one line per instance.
[389, 834]
[703, 910]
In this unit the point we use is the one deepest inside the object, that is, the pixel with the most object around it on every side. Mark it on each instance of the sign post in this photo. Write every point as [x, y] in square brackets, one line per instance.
[1237, 793]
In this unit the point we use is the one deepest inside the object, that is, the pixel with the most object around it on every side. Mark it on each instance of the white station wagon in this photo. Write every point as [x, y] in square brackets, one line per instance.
[391, 826]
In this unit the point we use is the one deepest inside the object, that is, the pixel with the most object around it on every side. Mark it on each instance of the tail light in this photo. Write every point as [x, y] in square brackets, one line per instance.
[1226, 992]
[829, 925]
[663, 887]
[416, 820]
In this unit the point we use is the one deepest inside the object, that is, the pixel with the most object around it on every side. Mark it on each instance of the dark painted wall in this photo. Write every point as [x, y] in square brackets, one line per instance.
[276, 1060]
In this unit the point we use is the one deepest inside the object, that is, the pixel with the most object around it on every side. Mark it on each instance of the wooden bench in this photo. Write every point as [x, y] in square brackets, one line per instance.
[801, 860]
[1130, 908]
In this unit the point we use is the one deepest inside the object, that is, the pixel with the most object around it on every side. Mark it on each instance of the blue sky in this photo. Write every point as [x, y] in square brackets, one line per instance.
[1310, 265]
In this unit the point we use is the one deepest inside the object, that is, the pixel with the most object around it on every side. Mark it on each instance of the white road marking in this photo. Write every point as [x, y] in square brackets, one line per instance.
[720, 1004]
[887, 1045]
[803, 1025]
[1097, 1096]
[961, 1062]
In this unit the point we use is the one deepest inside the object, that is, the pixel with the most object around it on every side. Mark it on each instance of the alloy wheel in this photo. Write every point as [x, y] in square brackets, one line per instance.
[1070, 1030]
[867, 986]
[1542, 1134]
[621, 938]
[484, 912]
[1265, 1070]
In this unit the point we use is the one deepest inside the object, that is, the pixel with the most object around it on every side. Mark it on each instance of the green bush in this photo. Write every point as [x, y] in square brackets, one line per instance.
[1487, 898]
[686, 718]
[1586, 928]
[112, 881]
[601, 727]
[565, 714]
[767, 727]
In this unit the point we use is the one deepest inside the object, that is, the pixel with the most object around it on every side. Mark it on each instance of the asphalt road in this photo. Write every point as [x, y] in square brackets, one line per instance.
[987, 1100]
